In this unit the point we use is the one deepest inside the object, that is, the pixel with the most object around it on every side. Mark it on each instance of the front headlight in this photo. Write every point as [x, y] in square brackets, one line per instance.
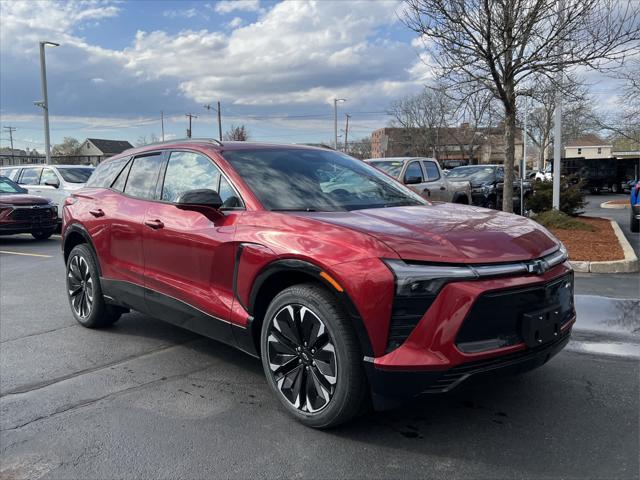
[425, 280]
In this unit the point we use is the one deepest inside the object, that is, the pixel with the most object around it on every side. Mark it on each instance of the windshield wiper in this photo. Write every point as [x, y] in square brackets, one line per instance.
[297, 210]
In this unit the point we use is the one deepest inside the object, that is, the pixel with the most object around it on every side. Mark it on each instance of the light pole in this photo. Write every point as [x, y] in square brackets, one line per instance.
[44, 103]
[335, 120]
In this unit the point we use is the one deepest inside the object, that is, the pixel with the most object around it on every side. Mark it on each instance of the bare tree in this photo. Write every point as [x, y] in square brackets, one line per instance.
[69, 146]
[423, 115]
[142, 140]
[236, 134]
[360, 148]
[578, 116]
[503, 44]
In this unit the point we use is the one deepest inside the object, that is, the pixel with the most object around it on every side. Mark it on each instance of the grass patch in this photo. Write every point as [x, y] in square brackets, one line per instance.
[557, 219]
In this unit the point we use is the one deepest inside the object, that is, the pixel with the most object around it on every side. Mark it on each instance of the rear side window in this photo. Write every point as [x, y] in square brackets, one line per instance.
[10, 173]
[143, 176]
[30, 176]
[104, 175]
[432, 171]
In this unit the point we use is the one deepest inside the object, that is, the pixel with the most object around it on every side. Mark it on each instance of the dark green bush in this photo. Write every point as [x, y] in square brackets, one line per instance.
[572, 199]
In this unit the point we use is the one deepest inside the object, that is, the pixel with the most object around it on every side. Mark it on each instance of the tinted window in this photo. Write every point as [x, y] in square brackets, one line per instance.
[432, 171]
[413, 171]
[75, 174]
[188, 171]
[121, 180]
[105, 173]
[48, 175]
[8, 187]
[301, 179]
[143, 176]
[30, 176]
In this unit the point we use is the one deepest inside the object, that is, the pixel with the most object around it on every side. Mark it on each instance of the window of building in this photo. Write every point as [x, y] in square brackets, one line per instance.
[599, 150]
[579, 151]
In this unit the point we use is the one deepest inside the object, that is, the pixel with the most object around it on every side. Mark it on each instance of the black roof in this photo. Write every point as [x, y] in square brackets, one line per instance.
[110, 146]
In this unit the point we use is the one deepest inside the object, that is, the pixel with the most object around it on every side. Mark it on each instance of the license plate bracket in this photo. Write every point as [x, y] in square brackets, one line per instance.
[542, 326]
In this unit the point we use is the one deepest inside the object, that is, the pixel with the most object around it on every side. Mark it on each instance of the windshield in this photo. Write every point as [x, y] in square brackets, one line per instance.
[76, 174]
[389, 167]
[477, 173]
[8, 187]
[313, 180]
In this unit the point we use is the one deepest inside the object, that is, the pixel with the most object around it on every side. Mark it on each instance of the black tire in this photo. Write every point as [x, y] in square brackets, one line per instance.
[634, 223]
[42, 234]
[340, 401]
[491, 203]
[87, 304]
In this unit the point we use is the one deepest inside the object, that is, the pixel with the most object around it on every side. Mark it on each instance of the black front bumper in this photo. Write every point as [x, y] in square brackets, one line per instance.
[390, 388]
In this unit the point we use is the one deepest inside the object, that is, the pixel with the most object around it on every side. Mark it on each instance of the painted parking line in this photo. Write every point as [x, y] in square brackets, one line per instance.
[8, 252]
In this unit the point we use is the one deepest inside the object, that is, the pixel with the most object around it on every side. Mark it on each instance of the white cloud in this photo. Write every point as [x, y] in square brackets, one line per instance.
[188, 13]
[235, 22]
[227, 6]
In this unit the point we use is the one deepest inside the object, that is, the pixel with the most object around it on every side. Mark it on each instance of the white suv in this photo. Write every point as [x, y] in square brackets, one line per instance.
[55, 182]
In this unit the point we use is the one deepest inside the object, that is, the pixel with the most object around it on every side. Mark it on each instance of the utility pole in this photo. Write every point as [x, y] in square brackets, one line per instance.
[11, 130]
[190, 116]
[557, 126]
[209, 107]
[162, 123]
[44, 103]
[335, 121]
[346, 133]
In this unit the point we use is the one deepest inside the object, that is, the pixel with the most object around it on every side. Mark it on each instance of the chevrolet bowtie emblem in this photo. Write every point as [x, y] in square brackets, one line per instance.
[537, 267]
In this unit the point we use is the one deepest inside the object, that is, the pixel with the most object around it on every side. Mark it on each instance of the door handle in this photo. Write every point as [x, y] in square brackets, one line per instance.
[427, 191]
[155, 224]
[442, 187]
[98, 212]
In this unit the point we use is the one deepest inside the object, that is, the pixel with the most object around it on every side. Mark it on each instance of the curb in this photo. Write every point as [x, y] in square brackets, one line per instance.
[615, 205]
[628, 265]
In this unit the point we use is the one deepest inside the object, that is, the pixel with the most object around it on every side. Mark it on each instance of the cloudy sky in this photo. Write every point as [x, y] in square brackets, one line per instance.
[275, 66]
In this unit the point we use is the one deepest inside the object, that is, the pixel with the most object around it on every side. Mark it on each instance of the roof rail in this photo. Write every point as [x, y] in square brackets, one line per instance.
[181, 140]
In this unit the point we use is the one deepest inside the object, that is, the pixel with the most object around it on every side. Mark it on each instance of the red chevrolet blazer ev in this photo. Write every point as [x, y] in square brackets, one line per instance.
[350, 287]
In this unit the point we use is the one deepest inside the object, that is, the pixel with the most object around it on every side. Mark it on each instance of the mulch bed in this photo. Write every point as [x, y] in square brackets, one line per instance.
[619, 201]
[597, 246]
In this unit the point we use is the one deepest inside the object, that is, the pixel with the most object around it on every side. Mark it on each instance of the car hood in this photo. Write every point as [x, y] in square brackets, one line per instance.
[448, 233]
[22, 199]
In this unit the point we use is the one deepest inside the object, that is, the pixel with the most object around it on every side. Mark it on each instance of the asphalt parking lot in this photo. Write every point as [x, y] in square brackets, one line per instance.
[144, 399]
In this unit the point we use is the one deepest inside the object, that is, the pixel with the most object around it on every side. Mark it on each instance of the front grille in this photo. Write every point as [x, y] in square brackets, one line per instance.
[31, 214]
[406, 312]
[495, 320]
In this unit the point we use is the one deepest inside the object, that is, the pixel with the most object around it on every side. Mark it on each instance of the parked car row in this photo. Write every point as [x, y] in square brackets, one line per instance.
[54, 182]
[24, 213]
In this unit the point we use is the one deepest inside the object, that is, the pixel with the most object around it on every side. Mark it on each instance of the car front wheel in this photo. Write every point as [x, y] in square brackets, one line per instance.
[311, 357]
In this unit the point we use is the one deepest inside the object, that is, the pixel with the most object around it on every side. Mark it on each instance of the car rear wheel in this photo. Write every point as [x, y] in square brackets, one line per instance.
[42, 234]
[312, 358]
[84, 290]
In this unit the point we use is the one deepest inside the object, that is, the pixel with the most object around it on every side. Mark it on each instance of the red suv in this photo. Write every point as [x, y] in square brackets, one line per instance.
[347, 285]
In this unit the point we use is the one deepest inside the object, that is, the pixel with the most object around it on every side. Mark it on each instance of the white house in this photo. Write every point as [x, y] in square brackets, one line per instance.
[97, 147]
[589, 146]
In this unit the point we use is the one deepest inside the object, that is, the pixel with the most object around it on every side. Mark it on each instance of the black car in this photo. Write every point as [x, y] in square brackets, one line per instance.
[24, 213]
[487, 185]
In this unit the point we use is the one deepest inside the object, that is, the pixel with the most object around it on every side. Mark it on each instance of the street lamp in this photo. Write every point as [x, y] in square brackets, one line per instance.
[335, 120]
[44, 103]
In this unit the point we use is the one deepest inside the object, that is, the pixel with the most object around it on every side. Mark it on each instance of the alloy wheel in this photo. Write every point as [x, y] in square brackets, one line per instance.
[80, 286]
[302, 358]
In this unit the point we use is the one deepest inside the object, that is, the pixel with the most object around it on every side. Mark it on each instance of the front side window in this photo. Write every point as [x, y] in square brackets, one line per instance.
[413, 173]
[143, 176]
[30, 176]
[48, 175]
[433, 173]
[314, 180]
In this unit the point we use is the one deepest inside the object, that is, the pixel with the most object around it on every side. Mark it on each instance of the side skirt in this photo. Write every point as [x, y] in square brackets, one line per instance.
[172, 310]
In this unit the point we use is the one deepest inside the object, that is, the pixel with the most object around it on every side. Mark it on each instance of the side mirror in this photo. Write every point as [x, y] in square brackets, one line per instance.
[412, 180]
[53, 183]
[202, 197]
